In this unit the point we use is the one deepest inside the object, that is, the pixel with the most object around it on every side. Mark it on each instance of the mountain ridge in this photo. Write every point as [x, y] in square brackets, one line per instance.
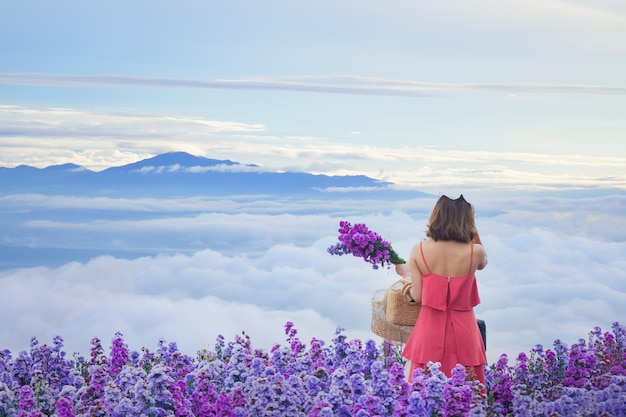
[175, 174]
[175, 158]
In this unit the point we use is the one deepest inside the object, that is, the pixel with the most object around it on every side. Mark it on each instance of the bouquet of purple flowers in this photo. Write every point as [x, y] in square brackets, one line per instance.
[361, 242]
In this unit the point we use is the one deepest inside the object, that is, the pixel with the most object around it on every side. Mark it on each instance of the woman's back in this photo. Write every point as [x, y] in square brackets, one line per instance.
[455, 290]
[450, 258]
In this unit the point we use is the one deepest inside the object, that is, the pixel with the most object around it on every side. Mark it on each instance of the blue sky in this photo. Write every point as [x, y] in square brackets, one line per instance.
[500, 100]
[531, 93]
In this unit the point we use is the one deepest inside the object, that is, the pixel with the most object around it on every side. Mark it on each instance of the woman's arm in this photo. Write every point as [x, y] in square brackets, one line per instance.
[480, 252]
[416, 275]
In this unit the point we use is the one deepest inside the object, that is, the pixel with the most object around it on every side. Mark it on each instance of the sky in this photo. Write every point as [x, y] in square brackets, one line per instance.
[521, 105]
[482, 94]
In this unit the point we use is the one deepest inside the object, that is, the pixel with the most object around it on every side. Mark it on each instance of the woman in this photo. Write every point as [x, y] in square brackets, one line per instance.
[442, 269]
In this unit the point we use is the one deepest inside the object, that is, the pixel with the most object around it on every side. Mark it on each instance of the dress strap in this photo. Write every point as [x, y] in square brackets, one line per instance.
[423, 258]
[471, 258]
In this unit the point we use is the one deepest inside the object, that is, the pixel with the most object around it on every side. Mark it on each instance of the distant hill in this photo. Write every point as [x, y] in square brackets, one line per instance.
[54, 230]
[181, 174]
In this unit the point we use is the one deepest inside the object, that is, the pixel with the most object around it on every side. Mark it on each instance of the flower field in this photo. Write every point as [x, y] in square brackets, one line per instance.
[340, 378]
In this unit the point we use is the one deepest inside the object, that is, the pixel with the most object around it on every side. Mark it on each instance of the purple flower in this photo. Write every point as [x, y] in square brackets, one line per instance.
[500, 381]
[382, 388]
[119, 355]
[64, 407]
[361, 242]
[344, 378]
[457, 393]
[92, 400]
[417, 405]
[27, 402]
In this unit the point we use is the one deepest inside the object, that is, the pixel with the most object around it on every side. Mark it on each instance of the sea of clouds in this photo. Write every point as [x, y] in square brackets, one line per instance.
[557, 268]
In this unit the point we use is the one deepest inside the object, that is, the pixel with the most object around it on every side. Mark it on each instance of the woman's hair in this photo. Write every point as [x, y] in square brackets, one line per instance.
[452, 220]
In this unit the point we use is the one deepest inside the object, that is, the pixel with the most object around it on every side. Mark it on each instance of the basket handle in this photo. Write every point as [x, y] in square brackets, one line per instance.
[406, 291]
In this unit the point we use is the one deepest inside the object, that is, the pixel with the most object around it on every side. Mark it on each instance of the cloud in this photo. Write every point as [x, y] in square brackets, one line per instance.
[186, 299]
[602, 12]
[199, 169]
[58, 122]
[353, 85]
[348, 189]
[98, 140]
[79, 310]
[553, 273]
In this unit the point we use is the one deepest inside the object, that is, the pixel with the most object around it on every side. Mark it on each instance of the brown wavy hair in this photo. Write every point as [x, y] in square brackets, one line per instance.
[452, 220]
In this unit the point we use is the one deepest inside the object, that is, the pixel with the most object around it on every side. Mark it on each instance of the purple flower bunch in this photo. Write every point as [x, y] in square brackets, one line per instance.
[361, 242]
[342, 378]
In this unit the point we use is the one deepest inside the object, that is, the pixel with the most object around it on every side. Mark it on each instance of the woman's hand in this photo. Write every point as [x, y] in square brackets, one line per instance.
[403, 270]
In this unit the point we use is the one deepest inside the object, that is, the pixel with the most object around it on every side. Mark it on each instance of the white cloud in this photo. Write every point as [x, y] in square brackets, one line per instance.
[355, 85]
[417, 167]
[552, 274]
[602, 12]
[171, 297]
[199, 169]
[348, 189]
[225, 168]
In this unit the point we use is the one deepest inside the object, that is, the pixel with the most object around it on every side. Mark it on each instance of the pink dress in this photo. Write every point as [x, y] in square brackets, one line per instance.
[446, 329]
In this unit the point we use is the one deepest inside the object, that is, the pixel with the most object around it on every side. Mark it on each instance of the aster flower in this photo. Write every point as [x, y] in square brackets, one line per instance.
[361, 242]
[64, 407]
[347, 377]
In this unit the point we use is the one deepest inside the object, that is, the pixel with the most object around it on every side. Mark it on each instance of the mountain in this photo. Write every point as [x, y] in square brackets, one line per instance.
[171, 160]
[179, 174]
[137, 215]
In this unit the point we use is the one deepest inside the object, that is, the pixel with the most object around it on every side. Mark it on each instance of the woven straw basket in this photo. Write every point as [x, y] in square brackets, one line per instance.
[401, 309]
[393, 316]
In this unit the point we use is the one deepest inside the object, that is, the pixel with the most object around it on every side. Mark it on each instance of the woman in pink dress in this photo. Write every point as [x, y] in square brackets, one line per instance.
[442, 269]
